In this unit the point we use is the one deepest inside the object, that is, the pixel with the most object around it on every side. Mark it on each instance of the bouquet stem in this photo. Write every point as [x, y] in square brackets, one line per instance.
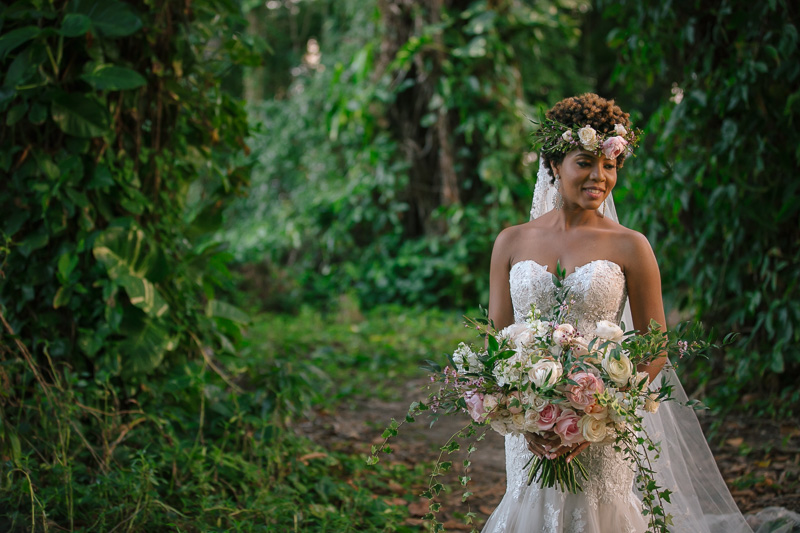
[549, 472]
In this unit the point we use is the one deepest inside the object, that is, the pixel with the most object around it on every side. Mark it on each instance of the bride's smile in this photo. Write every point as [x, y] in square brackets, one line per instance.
[586, 179]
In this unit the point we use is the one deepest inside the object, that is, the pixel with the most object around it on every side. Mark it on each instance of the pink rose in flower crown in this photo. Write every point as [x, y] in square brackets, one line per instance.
[567, 427]
[614, 146]
[475, 408]
[582, 395]
[548, 417]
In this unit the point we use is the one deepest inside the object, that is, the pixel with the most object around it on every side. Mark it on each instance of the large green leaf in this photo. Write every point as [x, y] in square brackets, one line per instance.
[75, 24]
[129, 260]
[110, 18]
[146, 343]
[219, 309]
[78, 115]
[16, 37]
[112, 78]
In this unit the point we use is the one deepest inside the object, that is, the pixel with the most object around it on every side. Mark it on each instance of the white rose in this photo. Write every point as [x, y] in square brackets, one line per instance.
[592, 429]
[499, 427]
[531, 417]
[580, 346]
[609, 331]
[651, 403]
[588, 136]
[489, 403]
[567, 135]
[620, 130]
[518, 420]
[546, 372]
[537, 402]
[562, 334]
[619, 370]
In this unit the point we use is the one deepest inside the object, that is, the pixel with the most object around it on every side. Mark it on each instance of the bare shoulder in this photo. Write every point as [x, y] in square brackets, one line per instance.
[508, 237]
[634, 248]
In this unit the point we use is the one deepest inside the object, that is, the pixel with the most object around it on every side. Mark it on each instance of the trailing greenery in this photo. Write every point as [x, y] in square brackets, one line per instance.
[722, 154]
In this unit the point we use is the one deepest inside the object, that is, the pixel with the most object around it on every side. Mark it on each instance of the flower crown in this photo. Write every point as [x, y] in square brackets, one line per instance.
[555, 137]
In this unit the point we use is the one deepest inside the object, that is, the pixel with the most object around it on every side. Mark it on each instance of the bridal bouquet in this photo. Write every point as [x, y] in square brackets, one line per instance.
[543, 377]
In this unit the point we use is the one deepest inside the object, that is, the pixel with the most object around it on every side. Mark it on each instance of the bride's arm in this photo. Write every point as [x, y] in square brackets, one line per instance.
[644, 293]
[501, 311]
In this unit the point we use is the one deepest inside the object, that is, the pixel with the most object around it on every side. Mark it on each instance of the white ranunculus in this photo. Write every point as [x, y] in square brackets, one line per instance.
[619, 370]
[545, 373]
[609, 331]
[592, 429]
[588, 136]
[620, 130]
[499, 426]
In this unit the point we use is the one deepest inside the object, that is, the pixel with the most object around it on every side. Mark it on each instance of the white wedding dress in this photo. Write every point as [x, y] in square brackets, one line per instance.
[700, 502]
[607, 503]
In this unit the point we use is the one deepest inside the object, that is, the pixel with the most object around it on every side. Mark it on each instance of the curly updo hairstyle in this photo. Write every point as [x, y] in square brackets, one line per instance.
[586, 109]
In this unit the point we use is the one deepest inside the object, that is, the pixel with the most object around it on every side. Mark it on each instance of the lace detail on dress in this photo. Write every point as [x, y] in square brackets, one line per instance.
[550, 519]
[607, 503]
[597, 288]
[578, 524]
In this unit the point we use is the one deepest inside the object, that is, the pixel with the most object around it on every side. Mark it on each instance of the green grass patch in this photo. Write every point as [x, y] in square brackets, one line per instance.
[191, 451]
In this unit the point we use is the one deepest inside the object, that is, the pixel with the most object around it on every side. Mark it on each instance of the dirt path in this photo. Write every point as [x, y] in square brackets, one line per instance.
[760, 460]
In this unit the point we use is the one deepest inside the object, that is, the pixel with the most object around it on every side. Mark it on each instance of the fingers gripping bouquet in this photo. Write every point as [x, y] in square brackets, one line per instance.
[545, 380]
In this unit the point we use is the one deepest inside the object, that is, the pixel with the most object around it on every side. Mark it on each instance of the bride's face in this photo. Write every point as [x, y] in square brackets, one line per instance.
[586, 179]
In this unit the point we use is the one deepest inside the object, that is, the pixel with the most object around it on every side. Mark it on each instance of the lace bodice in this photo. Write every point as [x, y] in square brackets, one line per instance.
[597, 288]
[607, 503]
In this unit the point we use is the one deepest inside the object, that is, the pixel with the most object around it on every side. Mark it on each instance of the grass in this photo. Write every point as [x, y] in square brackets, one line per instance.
[189, 452]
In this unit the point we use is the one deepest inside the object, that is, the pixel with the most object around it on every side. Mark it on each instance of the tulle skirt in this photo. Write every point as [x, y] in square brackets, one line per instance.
[606, 505]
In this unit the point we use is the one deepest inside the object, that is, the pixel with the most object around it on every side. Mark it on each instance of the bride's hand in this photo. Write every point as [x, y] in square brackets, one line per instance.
[540, 446]
[552, 448]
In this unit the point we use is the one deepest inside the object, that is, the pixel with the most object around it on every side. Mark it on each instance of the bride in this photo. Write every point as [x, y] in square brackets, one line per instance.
[610, 269]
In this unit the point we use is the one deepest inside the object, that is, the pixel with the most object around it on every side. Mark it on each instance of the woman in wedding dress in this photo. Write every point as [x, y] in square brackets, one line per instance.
[608, 268]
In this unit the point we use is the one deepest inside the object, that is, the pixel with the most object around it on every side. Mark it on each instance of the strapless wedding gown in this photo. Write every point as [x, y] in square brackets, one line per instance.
[607, 503]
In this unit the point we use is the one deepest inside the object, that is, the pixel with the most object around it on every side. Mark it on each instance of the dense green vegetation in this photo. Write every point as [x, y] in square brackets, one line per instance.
[151, 216]
[405, 152]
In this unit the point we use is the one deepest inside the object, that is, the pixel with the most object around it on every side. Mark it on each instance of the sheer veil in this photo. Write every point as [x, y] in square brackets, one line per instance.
[700, 503]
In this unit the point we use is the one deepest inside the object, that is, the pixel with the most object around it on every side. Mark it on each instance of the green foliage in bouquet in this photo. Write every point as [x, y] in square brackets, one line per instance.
[543, 377]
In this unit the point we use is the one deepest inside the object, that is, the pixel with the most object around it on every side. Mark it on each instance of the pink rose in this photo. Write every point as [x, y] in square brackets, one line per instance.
[514, 403]
[567, 428]
[582, 395]
[548, 417]
[614, 146]
[475, 405]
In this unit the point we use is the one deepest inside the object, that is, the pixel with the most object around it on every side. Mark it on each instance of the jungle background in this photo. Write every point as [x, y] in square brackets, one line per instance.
[232, 230]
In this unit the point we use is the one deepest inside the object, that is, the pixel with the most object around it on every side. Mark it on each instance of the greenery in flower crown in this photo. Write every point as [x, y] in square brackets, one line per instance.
[555, 137]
